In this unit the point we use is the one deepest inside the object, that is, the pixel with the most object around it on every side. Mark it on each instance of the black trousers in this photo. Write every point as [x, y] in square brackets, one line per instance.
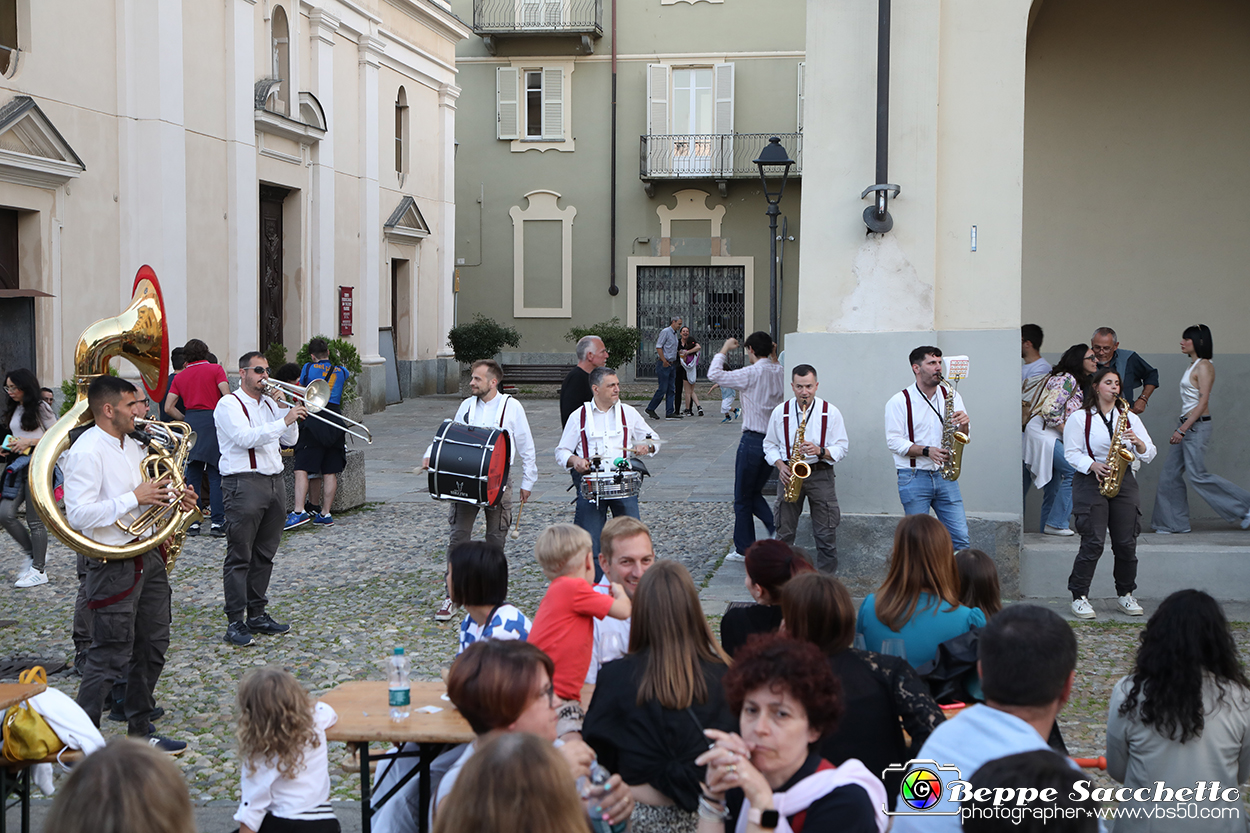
[255, 513]
[129, 637]
[1096, 517]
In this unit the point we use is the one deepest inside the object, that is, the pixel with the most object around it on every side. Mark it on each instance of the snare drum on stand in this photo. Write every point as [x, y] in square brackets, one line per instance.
[617, 483]
[469, 463]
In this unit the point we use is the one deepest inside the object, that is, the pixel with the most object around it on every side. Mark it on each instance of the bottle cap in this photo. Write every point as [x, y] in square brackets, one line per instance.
[399, 651]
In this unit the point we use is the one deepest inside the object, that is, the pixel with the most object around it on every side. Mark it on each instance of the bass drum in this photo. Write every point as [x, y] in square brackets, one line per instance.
[469, 463]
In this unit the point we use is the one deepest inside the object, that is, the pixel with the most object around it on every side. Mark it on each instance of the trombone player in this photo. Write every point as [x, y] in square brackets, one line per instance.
[249, 428]
[129, 598]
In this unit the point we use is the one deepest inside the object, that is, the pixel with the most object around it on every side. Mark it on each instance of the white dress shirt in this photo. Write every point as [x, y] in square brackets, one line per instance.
[260, 430]
[1075, 450]
[266, 790]
[926, 421]
[101, 474]
[611, 637]
[761, 385]
[604, 435]
[836, 442]
[473, 411]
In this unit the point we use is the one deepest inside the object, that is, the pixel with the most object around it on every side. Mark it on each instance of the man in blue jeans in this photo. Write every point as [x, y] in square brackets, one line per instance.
[913, 431]
[666, 371]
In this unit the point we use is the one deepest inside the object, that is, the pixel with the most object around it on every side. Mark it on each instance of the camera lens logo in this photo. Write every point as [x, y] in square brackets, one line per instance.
[921, 789]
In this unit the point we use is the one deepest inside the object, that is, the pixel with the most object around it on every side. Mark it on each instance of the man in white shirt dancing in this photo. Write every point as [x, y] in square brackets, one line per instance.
[824, 443]
[488, 407]
[250, 428]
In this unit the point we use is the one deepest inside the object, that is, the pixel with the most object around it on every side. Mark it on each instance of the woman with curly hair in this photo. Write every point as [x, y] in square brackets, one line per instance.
[282, 741]
[772, 776]
[26, 418]
[1183, 714]
[919, 600]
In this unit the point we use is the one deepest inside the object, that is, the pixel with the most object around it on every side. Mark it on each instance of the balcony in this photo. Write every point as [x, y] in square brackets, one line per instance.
[717, 156]
[494, 19]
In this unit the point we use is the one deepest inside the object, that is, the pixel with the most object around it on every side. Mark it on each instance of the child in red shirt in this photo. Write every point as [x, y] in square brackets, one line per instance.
[564, 625]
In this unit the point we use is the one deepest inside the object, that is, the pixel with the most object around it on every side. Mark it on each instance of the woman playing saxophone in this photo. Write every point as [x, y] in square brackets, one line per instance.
[1092, 438]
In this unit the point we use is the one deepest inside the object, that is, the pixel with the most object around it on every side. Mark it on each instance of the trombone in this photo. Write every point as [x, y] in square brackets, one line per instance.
[314, 398]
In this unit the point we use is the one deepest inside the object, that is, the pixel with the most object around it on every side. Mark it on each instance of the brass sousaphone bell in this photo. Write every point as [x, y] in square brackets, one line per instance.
[139, 335]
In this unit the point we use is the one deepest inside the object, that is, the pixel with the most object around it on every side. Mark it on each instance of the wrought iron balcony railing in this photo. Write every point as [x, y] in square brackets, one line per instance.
[711, 155]
[538, 17]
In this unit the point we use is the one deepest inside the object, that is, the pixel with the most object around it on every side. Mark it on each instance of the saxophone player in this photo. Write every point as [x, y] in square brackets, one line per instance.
[913, 431]
[808, 429]
[1091, 440]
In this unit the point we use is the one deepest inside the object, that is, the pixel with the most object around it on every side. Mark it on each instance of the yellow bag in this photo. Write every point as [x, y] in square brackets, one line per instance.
[27, 736]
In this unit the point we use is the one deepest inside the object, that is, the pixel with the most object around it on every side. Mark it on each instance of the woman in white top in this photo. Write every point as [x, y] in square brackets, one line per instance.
[1086, 443]
[26, 418]
[1189, 441]
[1182, 716]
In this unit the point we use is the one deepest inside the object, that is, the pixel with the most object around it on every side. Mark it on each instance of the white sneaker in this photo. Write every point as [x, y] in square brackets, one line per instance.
[32, 578]
[1082, 609]
[1245, 522]
[1129, 605]
[24, 567]
[734, 555]
[1054, 530]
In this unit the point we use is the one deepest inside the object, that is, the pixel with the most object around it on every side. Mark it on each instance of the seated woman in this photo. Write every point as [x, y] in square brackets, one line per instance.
[770, 564]
[128, 786]
[881, 695]
[1183, 714]
[787, 699]
[516, 783]
[978, 581]
[919, 600]
[650, 708]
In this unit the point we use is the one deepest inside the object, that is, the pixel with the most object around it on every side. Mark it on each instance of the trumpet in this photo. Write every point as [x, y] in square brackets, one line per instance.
[314, 397]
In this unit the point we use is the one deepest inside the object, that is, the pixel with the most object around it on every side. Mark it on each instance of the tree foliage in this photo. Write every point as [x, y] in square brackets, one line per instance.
[622, 341]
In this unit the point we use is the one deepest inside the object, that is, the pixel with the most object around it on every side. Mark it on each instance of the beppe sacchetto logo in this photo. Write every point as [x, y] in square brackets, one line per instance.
[924, 784]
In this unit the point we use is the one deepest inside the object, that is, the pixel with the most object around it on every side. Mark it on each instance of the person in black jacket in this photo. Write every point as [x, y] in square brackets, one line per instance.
[770, 564]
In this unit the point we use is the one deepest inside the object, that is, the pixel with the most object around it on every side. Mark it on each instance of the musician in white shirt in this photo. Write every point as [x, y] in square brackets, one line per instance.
[913, 432]
[128, 598]
[605, 428]
[488, 407]
[251, 428]
[824, 443]
[1086, 445]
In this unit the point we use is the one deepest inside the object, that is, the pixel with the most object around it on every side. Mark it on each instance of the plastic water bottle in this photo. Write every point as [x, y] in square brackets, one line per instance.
[599, 776]
[397, 677]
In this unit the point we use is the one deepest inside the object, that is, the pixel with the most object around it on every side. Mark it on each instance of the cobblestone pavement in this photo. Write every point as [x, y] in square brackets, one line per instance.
[370, 582]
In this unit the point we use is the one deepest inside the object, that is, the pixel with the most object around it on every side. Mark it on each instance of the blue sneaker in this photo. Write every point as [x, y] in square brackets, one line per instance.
[296, 519]
[323, 519]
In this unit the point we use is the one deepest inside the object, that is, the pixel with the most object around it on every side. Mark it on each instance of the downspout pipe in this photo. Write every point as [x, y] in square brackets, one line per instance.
[613, 289]
[877, 216]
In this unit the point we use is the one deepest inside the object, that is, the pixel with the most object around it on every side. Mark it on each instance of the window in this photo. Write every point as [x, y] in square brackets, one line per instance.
[8, 36]
[693, 107]
[281, 48]
[536, 14]
[401, 131]
[531, 105]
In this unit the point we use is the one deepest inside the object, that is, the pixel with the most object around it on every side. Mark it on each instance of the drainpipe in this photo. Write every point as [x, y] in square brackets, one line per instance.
[613, 289]
[876, 216]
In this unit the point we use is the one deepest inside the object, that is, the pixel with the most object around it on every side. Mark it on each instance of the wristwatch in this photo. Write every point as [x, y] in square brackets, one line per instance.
[925, 452]
[767, 819]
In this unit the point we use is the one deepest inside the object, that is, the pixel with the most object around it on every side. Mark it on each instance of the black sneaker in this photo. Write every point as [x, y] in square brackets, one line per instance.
[264, 624]
[239, 635]
[164, 744]
[652, 414]
[674, 415]
[217, 531]
[118, 713]
[194, 529]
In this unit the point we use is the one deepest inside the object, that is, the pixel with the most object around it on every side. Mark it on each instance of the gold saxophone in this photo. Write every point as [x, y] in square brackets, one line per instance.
[799, 469]
[953, 441]
[1119, 458]
[140, 335]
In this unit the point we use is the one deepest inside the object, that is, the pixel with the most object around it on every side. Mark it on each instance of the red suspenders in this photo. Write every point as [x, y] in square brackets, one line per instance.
[911, 429]
[586, 445]
[824, 422]
[251, 452]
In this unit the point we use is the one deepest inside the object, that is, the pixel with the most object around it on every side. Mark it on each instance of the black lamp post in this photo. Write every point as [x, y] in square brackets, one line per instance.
[774, 164]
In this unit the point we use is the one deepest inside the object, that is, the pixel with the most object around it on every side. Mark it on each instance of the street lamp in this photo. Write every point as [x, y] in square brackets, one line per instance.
[773, 162]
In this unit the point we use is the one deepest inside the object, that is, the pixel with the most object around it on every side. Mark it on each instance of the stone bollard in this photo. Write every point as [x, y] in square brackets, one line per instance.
[351, 487]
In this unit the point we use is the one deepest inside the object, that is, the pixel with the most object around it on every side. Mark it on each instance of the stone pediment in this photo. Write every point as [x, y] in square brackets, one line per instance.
[406, 222]
[32, 150]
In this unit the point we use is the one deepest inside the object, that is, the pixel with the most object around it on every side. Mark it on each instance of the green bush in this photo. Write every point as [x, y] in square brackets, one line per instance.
[276, 354]
[69, 392]
[341, 352]
[481, 340]
[622, 342]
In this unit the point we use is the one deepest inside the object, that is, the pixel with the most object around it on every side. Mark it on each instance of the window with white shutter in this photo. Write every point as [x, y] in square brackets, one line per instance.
[507, 110]
[802, 71]
[723, 117]
[533, 105]
[553, 103]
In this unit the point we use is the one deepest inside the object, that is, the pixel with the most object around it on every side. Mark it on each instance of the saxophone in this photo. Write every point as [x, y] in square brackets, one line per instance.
[1118, 456]
[953, 441]
[799, 469]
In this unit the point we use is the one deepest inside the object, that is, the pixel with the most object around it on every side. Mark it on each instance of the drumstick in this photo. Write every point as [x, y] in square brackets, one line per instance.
[516, 531]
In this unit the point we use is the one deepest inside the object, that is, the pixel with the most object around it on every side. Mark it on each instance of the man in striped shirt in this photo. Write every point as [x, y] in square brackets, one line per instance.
[761, 384]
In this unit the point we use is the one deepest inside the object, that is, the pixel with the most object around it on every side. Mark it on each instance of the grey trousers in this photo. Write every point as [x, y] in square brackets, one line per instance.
[460, 516]
[821, 497]
[255, 513]
[129, 636]
[1171, 512]
[33, 543]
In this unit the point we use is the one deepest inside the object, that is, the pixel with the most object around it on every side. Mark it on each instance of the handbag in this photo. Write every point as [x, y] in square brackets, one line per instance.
[27, 736]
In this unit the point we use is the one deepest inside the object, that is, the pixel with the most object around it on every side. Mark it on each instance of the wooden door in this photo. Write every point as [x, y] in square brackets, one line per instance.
[271, 198]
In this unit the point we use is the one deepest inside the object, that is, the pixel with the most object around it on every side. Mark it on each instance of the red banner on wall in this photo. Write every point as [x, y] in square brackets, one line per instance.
[345, 311]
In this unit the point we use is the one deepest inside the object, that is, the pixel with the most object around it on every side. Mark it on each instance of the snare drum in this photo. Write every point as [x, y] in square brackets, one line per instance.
[469, 463]
[599, 486]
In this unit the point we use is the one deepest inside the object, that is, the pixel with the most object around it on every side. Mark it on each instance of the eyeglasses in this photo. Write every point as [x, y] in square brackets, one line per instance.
[550, 691]
[11, 387]
[259, 371]
[1090, 356]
